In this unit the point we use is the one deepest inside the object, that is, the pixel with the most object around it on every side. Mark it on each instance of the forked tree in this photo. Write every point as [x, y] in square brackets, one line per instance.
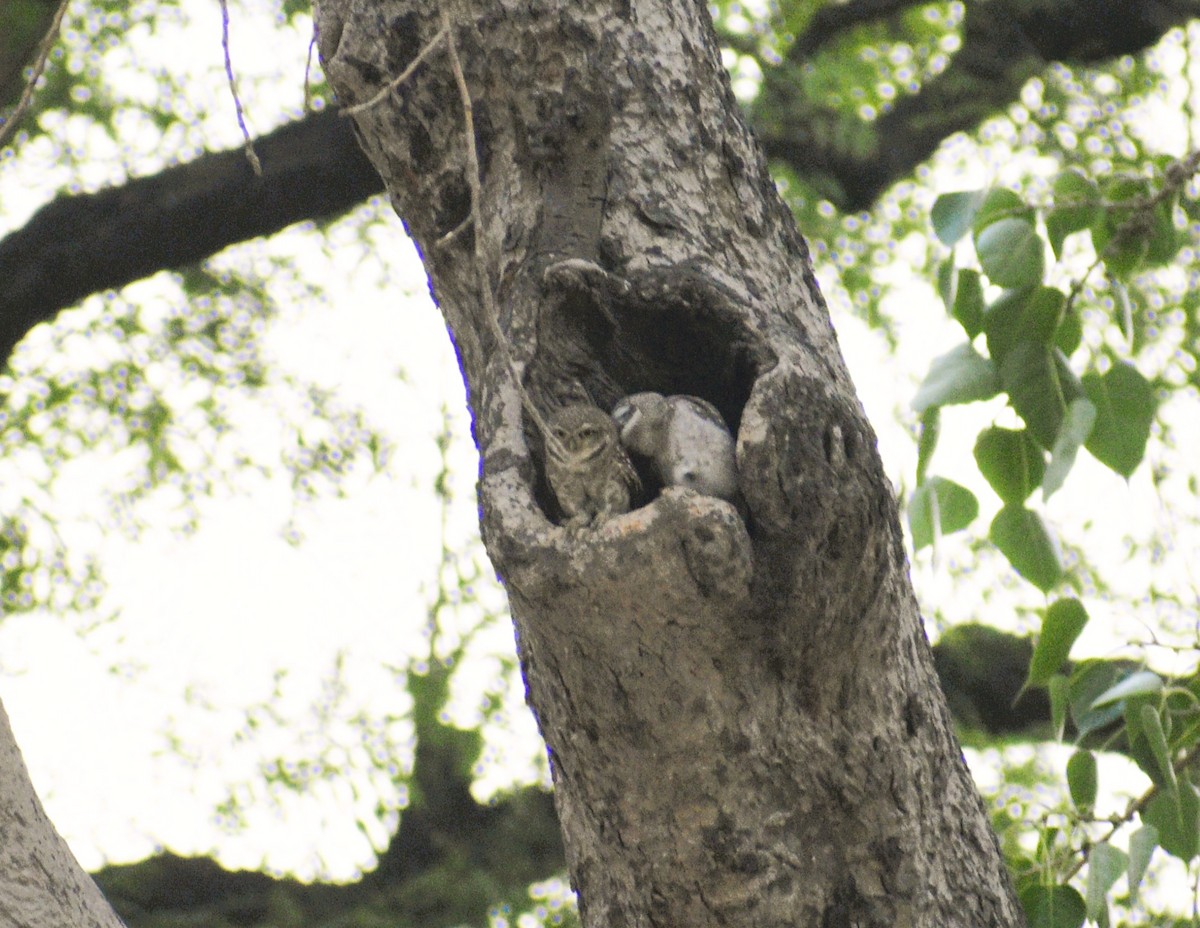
[740, 708]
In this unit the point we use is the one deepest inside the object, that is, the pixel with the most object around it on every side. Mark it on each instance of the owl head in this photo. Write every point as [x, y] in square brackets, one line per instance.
[583, 432]
[642, 420]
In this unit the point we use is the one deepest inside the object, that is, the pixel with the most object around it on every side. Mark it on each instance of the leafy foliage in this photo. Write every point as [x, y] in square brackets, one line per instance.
[1030, 328]
[155, 390]
[1034, 343]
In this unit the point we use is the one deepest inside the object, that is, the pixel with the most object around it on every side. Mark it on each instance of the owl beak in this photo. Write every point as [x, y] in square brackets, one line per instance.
[626, 415]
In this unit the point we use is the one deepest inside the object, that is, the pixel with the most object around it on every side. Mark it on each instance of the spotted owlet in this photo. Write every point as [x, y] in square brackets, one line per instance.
[588, 471]
[685, 439]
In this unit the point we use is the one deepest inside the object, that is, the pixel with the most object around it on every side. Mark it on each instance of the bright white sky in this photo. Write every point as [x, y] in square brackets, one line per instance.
[133, 732]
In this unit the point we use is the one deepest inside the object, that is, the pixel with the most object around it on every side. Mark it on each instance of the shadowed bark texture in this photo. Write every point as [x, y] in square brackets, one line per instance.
[743, 717]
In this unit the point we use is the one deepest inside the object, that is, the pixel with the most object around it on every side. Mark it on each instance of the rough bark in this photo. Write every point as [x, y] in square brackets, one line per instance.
[41, 883]
[743, 719]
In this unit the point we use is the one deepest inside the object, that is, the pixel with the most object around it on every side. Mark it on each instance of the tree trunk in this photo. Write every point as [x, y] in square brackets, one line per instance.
[41, 884]
[742, 714]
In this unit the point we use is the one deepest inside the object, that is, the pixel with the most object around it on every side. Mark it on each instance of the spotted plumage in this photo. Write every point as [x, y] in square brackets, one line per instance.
[684, 438]
[588, 471]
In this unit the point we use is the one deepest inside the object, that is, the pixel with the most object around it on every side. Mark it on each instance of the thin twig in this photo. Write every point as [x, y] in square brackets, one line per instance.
[1177, 174]
[401, 78]
[251, 155]
[39, 65]
[485, 290]
[1135, 807]
[1078, 285]
[312, 43]
[455, 232]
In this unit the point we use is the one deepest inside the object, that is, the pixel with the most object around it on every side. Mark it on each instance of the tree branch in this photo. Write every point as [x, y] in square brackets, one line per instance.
[23, 23]
[438, 872]
[9, 125]
[852, 162]
[830, 21]
[77, 245]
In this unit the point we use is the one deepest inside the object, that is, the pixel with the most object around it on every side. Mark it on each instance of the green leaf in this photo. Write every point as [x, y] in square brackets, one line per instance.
[1082, 780]
[1010, 461]
[1053, 906]
[1137, 742]
[1178, 705]
[1142, 683]
[1164, 240]
[1011, 253]
[968, 302]
[1059, 689]
[947, 282]
[1044, 314]
[931, 422]
[1106, 865]
[1040, 386]
[1073, 190]
[1141, 846]
[953, 213]
[1003, 321]
[1122, 249]
[1124, 308]
[1076, 207]
[938, 507]
[1064, 620]
[961, 375]
[1022, 537]
[1072, 433]
[1152, 729]
[1177, 819]
[1125, 405]
[1089, 680]
[1121, 260]
[1069, 335]
[1000, 203]
[1022, 315]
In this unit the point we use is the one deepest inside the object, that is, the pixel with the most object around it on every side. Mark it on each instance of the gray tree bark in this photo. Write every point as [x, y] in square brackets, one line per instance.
[742, 715]
[41, 883]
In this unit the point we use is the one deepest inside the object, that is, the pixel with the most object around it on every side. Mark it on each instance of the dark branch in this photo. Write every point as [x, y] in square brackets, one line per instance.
[438, 873]
[23, 26]
[981, 671]
[451, 859]
[1004, 44]
[78, 245]
[512, 842]
[829, 21]
[313, 168]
